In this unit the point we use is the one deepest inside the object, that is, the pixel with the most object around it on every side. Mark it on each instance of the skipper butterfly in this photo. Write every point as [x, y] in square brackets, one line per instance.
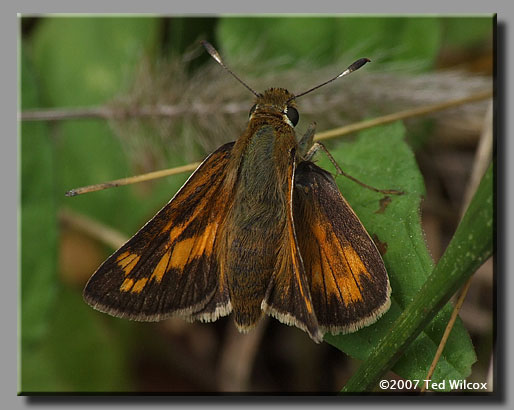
[257, 229]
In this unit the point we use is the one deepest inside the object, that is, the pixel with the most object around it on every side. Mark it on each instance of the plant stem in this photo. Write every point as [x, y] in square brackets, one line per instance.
[471, 245]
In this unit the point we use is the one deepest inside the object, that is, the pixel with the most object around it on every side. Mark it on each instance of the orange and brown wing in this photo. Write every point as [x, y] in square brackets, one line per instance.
[347, 278]
[169, 266]
[288, 297]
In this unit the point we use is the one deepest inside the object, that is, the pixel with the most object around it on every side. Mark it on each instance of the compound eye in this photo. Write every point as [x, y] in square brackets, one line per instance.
[252, 110]
[292, 114]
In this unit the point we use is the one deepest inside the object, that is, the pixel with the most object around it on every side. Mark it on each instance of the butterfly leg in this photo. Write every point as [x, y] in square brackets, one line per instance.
[317, 146]
[306, 142]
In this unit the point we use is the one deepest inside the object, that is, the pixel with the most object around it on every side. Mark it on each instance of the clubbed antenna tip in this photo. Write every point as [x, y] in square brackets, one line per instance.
[216, 56]
[351, 68]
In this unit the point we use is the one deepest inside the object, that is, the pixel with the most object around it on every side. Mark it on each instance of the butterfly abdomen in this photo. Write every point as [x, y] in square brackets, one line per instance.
[257, 220]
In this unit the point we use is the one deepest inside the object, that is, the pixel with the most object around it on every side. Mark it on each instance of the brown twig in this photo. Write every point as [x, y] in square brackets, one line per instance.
[414, 112]
[446, 333]
[109, 113]
[134, 179]
[337, 132]
[58, 114]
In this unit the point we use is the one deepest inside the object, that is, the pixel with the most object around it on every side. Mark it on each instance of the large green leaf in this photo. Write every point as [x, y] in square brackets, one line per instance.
[87, 60]
[468, 31]
[324, 40]
[288, 39]
[80, 354]
[38, 217]
[381, 158]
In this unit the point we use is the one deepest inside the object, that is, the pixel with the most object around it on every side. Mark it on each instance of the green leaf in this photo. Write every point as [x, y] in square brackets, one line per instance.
[471, 245]
[324, 40]
[76, 63]
[420, 42]
[381, 158]
[392, 39]
[38, 226]
[80, 354]
[374, 37]
[468, 31]
[284, 38]
[38, 216]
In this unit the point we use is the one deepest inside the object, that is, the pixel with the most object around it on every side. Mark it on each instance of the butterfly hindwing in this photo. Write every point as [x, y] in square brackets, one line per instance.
[288, 297]
[346, 275]
[169, 266]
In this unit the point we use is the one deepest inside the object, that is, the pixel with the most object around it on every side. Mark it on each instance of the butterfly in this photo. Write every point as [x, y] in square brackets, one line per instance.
[258, 229]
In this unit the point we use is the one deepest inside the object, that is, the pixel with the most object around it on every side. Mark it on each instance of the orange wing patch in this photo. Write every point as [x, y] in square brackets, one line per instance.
[127, 284]
[347, 278]
[139, 285]
[188, 249]
[161, 267]
[343, 266]
[182, 253]
[127, 261]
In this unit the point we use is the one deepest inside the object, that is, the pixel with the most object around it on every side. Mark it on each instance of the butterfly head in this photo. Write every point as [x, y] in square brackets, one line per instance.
[276, 102]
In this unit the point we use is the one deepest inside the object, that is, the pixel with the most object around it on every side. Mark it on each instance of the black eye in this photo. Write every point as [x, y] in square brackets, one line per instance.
[252, 110]
[292, 114]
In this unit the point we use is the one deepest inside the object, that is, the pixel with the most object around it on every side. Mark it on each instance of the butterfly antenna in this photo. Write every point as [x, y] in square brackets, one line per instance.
[214, 54]
[351, 68]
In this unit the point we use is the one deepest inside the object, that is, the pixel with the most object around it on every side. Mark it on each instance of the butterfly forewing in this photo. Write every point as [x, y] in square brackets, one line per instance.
[170, 265]
[347, 278]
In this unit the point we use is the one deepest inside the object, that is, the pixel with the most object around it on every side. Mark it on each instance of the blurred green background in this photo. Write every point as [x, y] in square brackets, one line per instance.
[73, 62]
